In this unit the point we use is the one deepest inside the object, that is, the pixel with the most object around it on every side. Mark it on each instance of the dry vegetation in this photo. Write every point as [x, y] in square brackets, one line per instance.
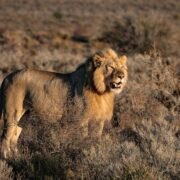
[143, 140]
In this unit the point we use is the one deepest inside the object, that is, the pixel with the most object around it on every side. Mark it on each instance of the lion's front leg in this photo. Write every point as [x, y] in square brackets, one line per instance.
[84, 127]
[95, 128]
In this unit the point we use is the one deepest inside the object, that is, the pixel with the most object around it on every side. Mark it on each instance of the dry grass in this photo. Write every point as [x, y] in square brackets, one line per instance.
[139, 34]
[6, 172]
[143, 140]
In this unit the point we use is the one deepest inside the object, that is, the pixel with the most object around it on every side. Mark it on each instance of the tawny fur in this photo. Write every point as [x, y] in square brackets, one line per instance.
[94, 83]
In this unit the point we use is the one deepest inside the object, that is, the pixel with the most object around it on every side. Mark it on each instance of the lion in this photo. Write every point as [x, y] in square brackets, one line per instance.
[95, 82]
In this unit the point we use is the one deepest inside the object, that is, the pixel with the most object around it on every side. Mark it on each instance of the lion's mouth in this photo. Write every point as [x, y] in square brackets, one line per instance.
[116, 85]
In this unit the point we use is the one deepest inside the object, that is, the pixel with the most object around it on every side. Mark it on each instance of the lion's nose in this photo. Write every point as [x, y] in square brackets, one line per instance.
[121, 76]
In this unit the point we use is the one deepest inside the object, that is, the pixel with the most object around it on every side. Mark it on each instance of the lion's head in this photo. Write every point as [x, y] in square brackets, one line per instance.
[109, 71]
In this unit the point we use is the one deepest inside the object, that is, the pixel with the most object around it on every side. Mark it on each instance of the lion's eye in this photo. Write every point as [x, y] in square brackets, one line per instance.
[110, 69]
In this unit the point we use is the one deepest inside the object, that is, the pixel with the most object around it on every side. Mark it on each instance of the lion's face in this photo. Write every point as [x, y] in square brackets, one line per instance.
[110, 71]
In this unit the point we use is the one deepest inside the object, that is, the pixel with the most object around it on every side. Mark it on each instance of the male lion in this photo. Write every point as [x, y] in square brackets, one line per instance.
[95, 82]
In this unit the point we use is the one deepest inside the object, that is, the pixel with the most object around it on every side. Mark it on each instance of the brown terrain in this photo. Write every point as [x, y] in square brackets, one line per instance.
[57, 35]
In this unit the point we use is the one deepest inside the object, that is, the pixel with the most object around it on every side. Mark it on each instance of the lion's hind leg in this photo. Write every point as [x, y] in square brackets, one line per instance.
[14, 139]
[12, 113]
[16, 132]
[5, 146]
[11, 133]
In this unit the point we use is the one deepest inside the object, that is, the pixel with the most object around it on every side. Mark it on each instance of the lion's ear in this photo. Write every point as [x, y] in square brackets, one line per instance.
[123, 59]
[97, 60]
